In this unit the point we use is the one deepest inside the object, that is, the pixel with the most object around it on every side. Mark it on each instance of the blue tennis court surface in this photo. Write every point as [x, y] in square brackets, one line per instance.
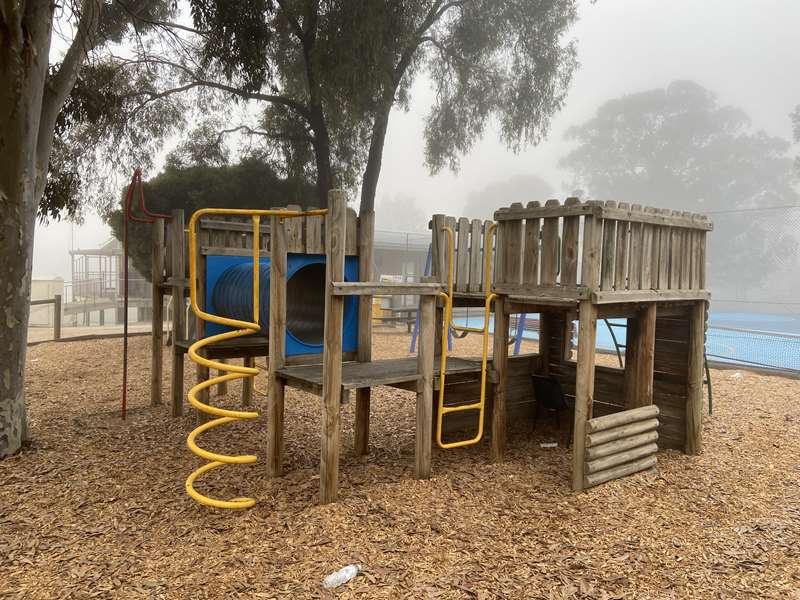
[764, 340]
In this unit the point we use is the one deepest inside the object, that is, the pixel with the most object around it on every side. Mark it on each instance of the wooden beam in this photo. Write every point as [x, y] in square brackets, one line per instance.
[377, 288]
[500, 367]
[335, 235]
[609, 251]
[621, 418]
[618, 433]
[277, 345]
[531, 212]
[639, 357]
[157, 315]
[424, 430]
[675, 220]
[366, 244]
[584, 388]
[202, 373]
[247, 382]
[630, 468]
[620, 458]
[694, 397]
[178, 268]
[57, 321]
[592, 250]
[475, 256]
[554, 291]
[608, 297]
[620, 445]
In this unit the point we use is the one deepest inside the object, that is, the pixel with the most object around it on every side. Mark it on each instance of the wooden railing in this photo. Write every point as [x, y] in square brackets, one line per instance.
[472, 240]
[603, 251]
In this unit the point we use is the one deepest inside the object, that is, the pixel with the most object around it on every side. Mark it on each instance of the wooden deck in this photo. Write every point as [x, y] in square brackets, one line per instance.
[395, 372]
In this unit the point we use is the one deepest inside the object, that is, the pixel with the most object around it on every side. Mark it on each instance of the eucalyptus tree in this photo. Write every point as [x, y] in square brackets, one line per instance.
[330, 73]
[33, 91]
[677, 147]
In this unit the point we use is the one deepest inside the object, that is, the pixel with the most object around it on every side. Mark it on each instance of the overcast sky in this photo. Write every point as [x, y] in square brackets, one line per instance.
[747, 51]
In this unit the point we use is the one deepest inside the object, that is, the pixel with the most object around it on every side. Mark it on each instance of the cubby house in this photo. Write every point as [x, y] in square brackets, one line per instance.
[580, 262]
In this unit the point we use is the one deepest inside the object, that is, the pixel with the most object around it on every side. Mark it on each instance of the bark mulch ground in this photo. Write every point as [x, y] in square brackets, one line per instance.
[95, 508]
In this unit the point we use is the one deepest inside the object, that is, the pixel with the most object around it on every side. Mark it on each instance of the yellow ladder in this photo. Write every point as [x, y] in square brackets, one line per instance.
[447, 297]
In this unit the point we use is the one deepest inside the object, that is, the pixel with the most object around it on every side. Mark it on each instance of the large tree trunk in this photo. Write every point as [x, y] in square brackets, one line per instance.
[23, 71]
[372, 170]
[322, 155]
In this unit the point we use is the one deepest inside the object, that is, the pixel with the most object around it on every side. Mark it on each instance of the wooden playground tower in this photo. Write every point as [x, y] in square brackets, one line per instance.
[572, 262]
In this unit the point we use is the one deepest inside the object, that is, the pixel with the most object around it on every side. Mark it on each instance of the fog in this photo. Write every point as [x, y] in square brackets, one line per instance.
[746, 51]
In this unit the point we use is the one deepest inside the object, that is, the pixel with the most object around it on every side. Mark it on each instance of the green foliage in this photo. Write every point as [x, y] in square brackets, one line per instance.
[237, 38]
[337, 68]
[249, 184]
[678, 148]
[502, 59]
[102, 130]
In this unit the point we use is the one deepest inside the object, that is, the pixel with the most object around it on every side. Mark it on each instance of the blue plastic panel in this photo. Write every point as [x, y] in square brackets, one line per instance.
[216, 265]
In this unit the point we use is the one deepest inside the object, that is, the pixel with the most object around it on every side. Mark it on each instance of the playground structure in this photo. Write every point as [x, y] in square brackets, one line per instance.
[572, 262]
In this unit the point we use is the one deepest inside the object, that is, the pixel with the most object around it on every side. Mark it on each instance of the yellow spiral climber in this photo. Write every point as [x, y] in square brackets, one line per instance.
[232, 372]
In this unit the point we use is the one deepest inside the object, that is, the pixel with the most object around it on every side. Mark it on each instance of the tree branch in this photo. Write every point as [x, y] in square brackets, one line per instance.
[58, 88]
[198, 81]
[267, 134]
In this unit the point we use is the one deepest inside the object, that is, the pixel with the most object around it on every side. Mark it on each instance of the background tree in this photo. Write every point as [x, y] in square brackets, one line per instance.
[678, 148]
[33, 91]
[250, 184]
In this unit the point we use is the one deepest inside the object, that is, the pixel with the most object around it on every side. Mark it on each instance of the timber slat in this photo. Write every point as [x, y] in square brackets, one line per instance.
[621, 418]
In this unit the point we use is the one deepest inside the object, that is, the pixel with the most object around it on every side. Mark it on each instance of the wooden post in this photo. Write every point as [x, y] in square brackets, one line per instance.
[584, 388]
[694, 397]
[439, 273]
[247, 382]
[157, 315]
[424, 432]
[178, 317]
[366, 235]
[500, 365]
[202, 372]
[639, 356]
[277, 346]
[335, 227]
[57, 317]
[222, 387]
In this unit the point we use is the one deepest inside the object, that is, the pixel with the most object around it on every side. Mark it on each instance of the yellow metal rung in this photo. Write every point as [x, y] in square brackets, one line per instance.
[480, 406]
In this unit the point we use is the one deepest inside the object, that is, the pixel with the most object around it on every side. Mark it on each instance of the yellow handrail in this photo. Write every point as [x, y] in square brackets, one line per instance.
[480, 406]
[233, 372]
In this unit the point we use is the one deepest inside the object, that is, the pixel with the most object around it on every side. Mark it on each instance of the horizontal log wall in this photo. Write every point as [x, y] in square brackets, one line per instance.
[620, 444]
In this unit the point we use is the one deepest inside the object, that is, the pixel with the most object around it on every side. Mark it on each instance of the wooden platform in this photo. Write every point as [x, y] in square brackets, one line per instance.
[395, 372]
